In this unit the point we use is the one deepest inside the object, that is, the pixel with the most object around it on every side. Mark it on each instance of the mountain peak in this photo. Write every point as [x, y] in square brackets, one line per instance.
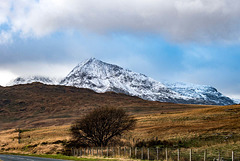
[94, 67]
[91, 60]
[94, 61]
[102, 77]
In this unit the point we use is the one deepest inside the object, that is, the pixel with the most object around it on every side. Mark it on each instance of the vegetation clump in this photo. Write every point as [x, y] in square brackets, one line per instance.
[101, 127]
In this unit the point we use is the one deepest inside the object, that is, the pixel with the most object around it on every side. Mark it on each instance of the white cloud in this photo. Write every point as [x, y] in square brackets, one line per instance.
[5, 37]
[27, 68]
[6, 76]
[235, 96]
[4, 10]
[183, 20]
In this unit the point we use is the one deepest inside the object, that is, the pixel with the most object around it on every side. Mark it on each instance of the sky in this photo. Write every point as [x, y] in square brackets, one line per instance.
[196, 41]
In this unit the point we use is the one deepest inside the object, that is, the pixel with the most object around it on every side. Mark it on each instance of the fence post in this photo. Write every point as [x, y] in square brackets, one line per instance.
[205, 155]
[97, 151]
[84, 151]
[148, 153]
[219, 155]
[135, 152]
[166, 154]
[77, 152]
[107, 151]
[190, 157]
[119, 151]
[113, 151]
[124, 151]
[178, 153]
[232, 155]
[101, 151]
[142, 153]
[130, 152]
[157, 153]
[19, 136]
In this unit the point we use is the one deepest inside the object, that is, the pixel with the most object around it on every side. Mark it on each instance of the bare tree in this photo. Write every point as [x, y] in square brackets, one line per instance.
[101, 126]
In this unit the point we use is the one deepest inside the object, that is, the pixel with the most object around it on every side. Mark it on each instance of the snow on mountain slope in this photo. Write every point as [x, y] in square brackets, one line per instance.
[31, 79]
[236, 101]
[101, 77]
[199, 94]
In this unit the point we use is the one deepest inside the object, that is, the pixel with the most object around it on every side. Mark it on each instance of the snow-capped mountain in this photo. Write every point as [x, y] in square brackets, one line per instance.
[237, 101]
[31, 79]
[101, 77]
[199, 94]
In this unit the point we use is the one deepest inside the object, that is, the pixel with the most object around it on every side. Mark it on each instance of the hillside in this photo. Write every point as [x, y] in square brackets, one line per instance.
[36, 105]
[211, 128]
[44, 113]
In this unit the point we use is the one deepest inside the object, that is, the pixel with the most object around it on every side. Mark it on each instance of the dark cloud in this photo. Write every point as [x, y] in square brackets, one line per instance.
[181, 20]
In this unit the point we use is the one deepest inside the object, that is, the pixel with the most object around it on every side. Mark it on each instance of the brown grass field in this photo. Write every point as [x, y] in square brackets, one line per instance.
[207, 128]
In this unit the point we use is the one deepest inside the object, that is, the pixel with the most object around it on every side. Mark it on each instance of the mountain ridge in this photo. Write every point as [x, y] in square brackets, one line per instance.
[32, 79]
[103, 77]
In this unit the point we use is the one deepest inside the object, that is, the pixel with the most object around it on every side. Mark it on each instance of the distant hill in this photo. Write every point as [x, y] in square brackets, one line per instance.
[31, 79]
[36, 104]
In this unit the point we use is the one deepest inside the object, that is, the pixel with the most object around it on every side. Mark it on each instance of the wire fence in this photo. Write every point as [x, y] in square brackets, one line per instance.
[163, 154]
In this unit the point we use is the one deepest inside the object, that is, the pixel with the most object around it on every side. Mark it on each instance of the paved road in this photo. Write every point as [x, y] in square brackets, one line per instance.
[25, 158]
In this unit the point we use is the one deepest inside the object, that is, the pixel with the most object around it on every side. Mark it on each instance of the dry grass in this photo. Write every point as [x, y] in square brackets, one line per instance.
[214, 127]
[211, 128]
[190, 123]
[47, 140]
